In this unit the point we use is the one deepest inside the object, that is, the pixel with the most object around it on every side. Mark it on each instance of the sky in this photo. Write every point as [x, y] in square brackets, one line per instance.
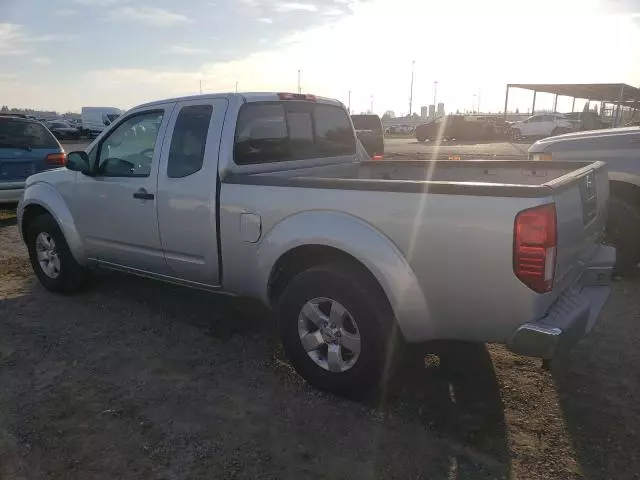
[63, 54]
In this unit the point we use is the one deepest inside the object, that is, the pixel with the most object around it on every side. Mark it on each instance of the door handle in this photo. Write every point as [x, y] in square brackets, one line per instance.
[143, 195]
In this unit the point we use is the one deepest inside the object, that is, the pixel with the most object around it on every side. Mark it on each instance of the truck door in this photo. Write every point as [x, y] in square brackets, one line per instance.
[187, 191]
[115, 208]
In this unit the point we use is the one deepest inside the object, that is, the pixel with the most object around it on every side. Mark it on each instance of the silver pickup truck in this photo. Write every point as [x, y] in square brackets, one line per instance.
[620, 149]
[271, 196]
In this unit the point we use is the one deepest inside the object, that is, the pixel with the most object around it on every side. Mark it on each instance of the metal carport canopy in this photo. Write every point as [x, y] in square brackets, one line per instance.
[603, 92]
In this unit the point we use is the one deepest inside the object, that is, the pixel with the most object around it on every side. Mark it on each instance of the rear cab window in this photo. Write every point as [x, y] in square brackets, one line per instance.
[18, 133]
[291, 130]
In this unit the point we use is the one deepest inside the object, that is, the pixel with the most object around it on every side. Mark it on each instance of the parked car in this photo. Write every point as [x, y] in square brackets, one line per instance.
[63, 130]
[270, 195]
[369, 131]
[542, 125]
[96, 119]
[620, 149]
[460, 128]
[26, 147]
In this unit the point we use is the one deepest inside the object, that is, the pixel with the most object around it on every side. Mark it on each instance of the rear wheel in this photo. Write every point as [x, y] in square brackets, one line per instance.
[623, 232]
[337, 335]
[51, 258]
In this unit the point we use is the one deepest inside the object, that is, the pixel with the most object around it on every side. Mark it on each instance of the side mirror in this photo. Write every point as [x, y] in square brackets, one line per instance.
[79, 162]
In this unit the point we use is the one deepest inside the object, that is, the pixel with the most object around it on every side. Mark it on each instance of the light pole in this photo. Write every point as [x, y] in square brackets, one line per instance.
[299, 88]
[435, 94]
[236, 86]
[349, 102]
[413, 63]
[200, 87]
[371, 109]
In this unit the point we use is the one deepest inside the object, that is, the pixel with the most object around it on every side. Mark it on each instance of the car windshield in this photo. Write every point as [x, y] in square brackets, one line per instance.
[15, 133]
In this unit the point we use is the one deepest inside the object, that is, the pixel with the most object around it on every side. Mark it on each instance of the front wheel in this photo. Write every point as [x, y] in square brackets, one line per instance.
[622, 232]
[337, 335]
[51, 258]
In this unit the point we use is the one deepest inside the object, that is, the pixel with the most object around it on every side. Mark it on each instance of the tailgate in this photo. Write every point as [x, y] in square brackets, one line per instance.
[581, 204]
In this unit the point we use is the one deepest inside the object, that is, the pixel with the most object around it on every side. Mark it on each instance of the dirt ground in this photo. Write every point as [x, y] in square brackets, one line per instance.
[134, 379]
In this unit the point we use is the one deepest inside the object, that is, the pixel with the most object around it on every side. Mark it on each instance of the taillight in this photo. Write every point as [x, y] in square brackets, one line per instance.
[377, 156]
[56, 160]
[534, 247]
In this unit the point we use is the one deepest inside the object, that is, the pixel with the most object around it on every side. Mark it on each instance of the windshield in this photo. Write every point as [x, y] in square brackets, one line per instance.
[24, 134]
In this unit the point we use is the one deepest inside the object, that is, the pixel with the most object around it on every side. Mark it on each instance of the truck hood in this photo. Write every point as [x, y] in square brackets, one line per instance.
[547, 144]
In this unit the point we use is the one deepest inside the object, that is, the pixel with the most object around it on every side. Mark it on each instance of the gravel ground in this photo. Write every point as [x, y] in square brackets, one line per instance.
[134, 379]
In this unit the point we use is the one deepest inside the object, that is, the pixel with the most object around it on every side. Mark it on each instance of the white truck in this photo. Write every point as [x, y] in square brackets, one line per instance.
[271, 196]
[96, 119]
[620, 149]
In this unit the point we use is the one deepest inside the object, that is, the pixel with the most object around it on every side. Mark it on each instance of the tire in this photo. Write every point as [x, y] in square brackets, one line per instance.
[65, 275]
[338, 286]
[623, 232]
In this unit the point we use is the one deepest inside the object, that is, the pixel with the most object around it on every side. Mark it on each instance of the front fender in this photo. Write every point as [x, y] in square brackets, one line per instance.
[47, 197]
[367, 245]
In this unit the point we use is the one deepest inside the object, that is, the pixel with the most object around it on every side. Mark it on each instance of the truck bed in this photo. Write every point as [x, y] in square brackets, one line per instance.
[470, 177]
[452, 220]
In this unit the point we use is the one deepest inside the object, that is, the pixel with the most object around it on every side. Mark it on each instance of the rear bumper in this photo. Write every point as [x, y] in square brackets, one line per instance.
[572, 316]
[11, 192]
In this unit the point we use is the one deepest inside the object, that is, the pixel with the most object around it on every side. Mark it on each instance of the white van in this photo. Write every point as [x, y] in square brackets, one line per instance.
[96, 119]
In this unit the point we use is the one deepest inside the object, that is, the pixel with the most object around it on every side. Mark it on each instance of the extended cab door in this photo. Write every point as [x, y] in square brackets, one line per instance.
[115, 208]
[187, 191]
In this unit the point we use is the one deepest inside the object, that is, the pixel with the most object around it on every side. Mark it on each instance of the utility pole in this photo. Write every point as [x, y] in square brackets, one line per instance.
[413, 63]
[349, 102]
[299, 88]
[236, 86]
[200, 87]
[371, 110]
[435, 94]
[479, 96]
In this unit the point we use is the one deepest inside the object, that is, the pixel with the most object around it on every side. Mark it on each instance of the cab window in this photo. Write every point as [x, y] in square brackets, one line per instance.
[129, 148]
[186, 154]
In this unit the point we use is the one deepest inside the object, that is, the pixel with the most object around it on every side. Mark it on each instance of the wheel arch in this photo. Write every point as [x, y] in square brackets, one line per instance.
[42, 199]
[626, 187]
[312, 238]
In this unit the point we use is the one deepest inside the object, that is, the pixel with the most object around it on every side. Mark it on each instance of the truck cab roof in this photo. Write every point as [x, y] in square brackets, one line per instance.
[249, 97]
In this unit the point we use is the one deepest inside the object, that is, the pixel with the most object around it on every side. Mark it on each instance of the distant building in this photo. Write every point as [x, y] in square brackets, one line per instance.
[424, 112]
[441, 109]
[432, 111]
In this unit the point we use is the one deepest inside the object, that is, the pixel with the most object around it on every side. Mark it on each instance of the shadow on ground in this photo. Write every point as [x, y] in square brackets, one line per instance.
[598, 387]
[135, 379]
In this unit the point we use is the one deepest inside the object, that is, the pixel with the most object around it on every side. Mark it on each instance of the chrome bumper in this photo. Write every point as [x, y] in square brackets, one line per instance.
[572, 316]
